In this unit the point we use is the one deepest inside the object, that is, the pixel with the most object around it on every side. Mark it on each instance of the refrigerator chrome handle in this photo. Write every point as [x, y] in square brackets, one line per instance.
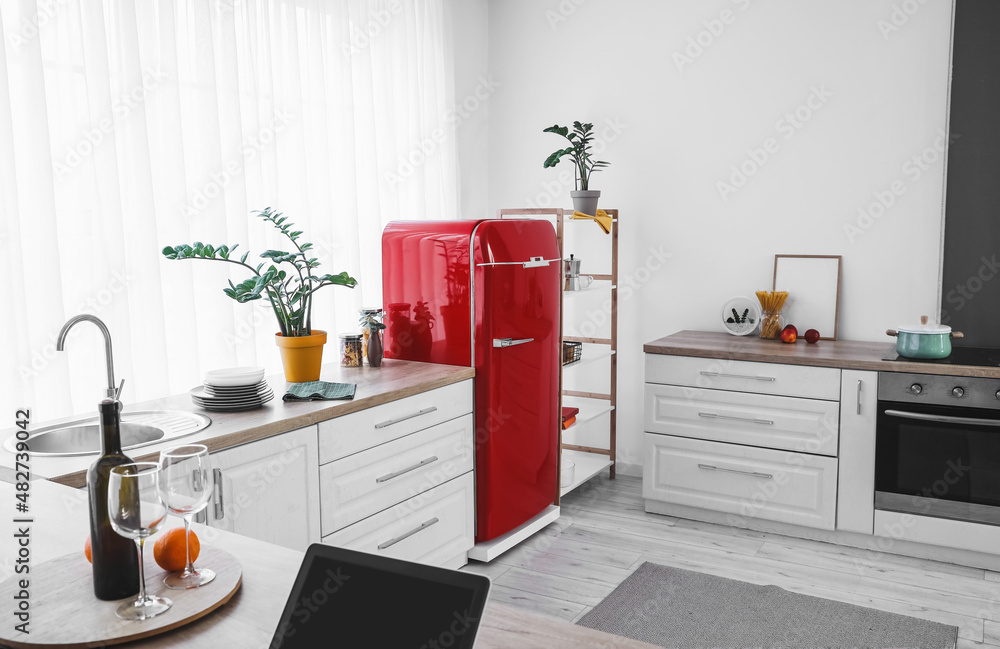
[533, 262]
[510, 342]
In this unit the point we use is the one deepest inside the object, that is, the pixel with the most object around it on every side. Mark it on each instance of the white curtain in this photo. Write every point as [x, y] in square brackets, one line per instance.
[128, 126]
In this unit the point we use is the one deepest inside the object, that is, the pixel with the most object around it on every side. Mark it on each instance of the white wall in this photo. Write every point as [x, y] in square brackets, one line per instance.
[474, 91]
[613, 62]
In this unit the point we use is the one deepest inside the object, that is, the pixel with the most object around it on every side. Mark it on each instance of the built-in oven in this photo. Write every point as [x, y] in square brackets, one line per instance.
[937, 449]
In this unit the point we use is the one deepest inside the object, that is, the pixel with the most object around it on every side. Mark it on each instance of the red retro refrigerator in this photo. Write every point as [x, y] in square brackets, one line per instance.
[485, 293]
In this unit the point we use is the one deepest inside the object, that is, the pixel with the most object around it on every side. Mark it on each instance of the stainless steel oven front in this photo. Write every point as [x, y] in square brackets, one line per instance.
[937, 448]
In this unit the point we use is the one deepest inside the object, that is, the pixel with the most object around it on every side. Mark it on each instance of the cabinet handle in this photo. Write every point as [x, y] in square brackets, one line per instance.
[401, 537]
[198, 483]
[709, 467]
[386, 424]
[389, 476]
[859, 396]
[510, 342]
[737, 376]
[712, 415]
[220, 508]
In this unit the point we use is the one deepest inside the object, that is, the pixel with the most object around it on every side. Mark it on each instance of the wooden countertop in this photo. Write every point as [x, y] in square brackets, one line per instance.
[394, 380]
[250, 618]
[843, 354]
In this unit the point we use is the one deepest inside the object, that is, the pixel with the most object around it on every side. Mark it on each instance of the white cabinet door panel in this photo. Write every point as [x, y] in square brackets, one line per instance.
[804, 425]
[856, 491]
[269, 489]
[365, 483]
[756, 483]
[433, 528]
[342, 436]
[744, 376]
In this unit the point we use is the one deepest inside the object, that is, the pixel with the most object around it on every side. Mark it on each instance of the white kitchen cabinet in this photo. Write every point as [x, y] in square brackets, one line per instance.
[789, 423]
[781, 486]
[435, 527]
[269, 489]
[856, 493]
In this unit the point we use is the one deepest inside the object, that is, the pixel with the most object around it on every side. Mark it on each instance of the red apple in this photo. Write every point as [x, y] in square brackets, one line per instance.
[789, 334]
[811, 336]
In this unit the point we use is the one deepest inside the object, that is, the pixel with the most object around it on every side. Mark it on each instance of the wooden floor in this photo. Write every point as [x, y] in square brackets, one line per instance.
[604, 534]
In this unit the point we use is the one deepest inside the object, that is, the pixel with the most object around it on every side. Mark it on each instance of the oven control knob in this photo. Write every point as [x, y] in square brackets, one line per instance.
[916, 388]
[998, 394]
[958, 392]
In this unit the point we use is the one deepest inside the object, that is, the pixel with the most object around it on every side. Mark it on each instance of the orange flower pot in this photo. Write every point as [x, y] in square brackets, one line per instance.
[301, 356]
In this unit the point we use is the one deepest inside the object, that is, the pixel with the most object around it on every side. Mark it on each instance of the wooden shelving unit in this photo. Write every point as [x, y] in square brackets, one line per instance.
[594, 406]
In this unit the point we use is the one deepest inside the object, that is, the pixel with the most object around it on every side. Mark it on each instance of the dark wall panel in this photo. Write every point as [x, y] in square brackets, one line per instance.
[971, 279]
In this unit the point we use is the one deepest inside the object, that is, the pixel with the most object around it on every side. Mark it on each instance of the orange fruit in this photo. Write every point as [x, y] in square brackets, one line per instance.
[170, 551]
[86, 550]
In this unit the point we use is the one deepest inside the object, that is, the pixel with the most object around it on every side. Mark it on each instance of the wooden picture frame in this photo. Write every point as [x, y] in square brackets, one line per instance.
[813, 285]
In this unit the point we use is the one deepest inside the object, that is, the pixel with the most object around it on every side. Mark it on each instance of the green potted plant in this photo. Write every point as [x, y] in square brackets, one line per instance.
[581, 141]
[290, 293]
[373, 323]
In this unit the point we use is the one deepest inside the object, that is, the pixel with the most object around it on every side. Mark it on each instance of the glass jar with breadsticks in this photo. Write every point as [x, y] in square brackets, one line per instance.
[770, 319]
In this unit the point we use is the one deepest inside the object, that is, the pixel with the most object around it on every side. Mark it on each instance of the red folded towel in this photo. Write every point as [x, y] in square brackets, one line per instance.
[569, 412]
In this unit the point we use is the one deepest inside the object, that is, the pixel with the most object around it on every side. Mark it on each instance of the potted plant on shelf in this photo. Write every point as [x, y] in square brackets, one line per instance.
[581, 139]
[290, 293]
[372, 322]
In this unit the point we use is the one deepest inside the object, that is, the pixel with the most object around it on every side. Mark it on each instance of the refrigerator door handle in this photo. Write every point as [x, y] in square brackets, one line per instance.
[533, 262]
[510, 342]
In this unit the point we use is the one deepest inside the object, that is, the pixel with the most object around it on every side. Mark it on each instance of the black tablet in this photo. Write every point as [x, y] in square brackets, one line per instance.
[345, 598]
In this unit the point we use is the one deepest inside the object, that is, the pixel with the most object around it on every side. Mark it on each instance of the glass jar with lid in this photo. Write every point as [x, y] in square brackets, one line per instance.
[350, 350]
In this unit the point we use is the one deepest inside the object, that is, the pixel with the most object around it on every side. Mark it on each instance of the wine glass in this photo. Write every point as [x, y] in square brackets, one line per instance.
[137, 512]
[186, 486]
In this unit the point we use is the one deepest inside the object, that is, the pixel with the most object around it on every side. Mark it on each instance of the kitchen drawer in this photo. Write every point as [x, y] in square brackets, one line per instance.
[364, 429]
[790, 423]
[365, 483]
[744, 376]
[741, 480]
[432, 528]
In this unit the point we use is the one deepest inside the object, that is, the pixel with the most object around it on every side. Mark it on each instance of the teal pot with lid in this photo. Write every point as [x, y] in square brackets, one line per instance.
[924, 341]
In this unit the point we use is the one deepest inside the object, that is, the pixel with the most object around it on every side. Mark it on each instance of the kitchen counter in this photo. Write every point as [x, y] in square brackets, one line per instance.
[843, 354]
[396, 379]
[269, 571]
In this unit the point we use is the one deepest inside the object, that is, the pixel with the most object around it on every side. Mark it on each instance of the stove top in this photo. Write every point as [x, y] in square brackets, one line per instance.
[976, 356]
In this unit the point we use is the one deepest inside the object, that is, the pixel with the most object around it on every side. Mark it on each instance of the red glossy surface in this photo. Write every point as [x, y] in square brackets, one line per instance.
[427, 295]
[517, 388]
[426, 291]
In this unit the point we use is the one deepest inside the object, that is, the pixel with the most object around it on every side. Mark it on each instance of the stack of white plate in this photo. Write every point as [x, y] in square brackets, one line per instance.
[238, 388]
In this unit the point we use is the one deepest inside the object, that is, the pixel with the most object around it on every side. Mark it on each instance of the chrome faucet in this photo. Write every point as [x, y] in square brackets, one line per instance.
[112, 392]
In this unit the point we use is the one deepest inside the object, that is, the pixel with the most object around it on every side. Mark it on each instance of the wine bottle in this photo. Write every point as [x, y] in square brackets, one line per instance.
[114, 557]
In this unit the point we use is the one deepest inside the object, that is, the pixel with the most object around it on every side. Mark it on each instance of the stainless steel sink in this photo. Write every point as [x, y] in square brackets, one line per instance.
[139, 428]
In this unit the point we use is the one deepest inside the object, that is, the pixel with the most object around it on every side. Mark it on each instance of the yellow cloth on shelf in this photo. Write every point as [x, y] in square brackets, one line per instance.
[602, 219]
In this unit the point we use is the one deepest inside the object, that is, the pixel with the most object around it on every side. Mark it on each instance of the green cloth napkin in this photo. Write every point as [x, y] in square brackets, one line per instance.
[319, 391]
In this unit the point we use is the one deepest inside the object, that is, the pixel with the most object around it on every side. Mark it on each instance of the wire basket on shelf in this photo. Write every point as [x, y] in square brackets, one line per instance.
[572, 352]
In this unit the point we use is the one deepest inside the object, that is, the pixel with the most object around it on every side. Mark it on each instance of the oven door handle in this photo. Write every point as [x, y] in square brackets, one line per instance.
[944, 419]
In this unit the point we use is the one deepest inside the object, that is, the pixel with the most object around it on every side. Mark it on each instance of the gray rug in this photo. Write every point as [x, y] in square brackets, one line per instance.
[671, 608]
